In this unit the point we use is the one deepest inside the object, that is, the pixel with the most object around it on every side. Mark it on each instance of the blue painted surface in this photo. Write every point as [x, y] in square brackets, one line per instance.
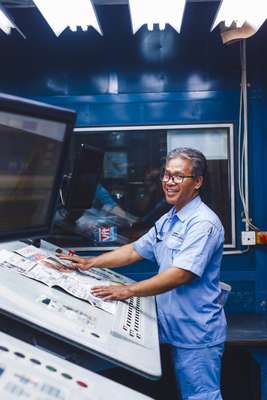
[261, 358]
[153, 78]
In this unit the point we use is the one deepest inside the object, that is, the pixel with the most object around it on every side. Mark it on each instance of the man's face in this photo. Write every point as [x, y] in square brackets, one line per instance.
[179, 194]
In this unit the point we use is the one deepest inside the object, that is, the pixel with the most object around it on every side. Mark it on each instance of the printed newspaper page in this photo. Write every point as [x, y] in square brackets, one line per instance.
[49, 269]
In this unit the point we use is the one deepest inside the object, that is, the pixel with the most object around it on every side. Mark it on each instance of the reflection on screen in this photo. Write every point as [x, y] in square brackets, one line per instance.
[30, 154]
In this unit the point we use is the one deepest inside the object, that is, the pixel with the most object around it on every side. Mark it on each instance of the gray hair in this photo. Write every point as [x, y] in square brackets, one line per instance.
[198, 160]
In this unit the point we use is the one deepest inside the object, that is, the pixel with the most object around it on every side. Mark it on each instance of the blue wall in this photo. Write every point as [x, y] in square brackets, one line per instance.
[153, 78]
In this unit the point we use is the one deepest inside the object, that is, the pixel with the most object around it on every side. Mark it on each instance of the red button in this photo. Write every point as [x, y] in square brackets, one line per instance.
[82, 384]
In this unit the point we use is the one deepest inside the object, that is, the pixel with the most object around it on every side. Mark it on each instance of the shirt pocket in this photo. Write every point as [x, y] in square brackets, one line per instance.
[174, 244]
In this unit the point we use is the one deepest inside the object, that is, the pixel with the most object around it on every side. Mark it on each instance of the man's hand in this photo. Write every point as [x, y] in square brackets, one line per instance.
[79, 262]
[113, 292]
[161, 283]
[117, 258]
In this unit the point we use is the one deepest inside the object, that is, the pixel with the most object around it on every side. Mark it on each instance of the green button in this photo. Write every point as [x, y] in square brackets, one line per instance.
[50, 368]
[67, 376]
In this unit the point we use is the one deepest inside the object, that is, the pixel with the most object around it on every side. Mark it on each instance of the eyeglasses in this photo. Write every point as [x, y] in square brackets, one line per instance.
[165, 177]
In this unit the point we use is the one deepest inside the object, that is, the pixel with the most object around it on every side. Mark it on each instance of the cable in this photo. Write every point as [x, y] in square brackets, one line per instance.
[61, 197]
[243, 146]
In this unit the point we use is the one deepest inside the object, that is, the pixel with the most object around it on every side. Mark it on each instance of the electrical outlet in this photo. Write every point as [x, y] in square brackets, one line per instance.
[248, 238]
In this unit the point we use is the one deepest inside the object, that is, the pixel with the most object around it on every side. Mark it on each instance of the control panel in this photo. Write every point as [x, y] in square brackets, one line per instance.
[36, 288]
[30, 373]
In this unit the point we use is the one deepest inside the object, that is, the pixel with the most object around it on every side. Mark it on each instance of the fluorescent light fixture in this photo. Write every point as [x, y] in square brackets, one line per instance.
[6, 23]
[61, 14]
[253, 13]
[160, 12]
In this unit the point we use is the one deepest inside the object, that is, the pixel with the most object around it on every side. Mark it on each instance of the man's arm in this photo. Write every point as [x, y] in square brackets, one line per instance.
[117, 258]
[164, 281]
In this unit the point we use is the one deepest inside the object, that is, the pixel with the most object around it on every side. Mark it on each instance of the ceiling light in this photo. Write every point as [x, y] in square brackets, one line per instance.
[61, 14]
[239, 13]
[159, 12]
[6, 23]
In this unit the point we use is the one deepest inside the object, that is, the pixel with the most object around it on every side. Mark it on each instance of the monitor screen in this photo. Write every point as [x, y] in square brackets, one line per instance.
[33, 140]
[81, 188]
[116, 164]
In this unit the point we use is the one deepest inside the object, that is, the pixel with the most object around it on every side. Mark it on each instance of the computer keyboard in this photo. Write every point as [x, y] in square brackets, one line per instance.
[129, 320]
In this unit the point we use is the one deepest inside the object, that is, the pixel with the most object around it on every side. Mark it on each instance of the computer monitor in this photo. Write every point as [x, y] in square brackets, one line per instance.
[34, 138]
[81, 186]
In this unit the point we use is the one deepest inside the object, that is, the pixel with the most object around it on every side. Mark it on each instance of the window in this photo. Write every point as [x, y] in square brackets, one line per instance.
[129, 199]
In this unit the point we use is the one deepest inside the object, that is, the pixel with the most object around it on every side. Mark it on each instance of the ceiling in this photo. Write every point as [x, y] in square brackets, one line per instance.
[30, 3]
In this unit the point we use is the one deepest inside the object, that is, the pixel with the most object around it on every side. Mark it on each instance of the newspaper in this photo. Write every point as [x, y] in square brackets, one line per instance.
[46, 267]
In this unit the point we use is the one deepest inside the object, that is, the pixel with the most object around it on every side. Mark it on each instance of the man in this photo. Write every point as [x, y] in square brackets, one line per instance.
[187, 244]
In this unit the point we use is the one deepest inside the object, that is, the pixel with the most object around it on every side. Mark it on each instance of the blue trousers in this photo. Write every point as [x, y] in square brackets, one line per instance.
[198, 372]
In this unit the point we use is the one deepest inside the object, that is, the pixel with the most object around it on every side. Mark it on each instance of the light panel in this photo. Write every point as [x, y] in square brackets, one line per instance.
[240, 12]
[160, 12]
[61, 14]
[6, 24]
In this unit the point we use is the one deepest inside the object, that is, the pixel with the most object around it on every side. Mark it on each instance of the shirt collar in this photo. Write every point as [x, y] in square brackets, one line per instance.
[186, 211]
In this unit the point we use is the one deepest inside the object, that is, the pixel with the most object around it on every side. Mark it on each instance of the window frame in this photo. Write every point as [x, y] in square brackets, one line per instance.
[229, 126]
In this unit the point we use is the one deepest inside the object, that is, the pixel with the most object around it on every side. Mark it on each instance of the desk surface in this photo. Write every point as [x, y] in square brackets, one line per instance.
[247, 329]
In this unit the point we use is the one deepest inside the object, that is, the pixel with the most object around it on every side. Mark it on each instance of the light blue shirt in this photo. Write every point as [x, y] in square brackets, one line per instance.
[103, 198]
[189, 315]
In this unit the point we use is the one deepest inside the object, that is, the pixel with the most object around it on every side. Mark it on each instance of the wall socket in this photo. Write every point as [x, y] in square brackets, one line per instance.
[248, 238]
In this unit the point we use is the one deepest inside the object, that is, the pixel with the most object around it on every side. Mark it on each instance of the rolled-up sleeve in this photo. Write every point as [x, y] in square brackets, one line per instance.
[200, 243]
[145, 245]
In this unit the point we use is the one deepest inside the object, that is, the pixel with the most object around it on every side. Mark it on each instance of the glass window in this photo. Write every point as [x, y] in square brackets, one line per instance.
[128, 198]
